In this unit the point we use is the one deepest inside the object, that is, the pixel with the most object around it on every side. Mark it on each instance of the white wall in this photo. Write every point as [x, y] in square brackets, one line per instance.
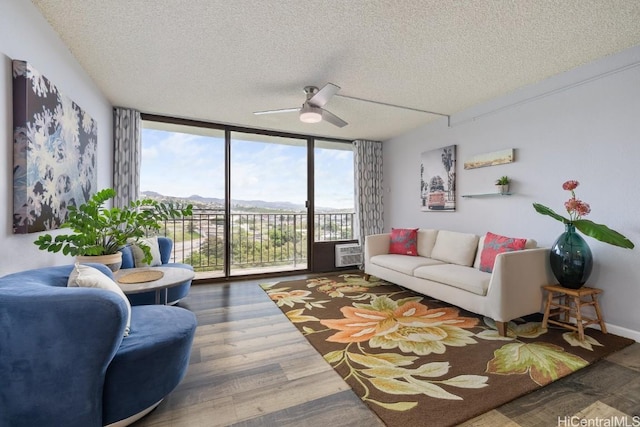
[583, 125]
[26, 35]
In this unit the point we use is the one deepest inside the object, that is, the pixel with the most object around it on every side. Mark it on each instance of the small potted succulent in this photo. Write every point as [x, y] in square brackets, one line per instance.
[101, 232]
[502, 184]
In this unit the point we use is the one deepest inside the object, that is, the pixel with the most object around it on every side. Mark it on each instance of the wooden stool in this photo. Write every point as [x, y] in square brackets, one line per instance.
[569, 303]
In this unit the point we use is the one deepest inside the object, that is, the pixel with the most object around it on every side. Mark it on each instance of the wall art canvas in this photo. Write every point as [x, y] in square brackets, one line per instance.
[490, 159]
[54, 152]
[438, 180]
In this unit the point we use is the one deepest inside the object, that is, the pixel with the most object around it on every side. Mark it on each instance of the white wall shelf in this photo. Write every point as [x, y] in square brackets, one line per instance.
[486, 195]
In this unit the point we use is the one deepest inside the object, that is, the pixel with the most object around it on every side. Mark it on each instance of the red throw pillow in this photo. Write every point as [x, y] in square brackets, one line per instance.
[404, 241]
[495, 244]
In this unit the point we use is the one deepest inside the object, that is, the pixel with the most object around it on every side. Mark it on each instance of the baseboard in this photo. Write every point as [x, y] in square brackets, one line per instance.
[614, 329]
[623, 332]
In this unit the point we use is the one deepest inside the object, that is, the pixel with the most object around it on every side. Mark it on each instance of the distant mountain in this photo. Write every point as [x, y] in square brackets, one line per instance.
[200, 201]
[268, 205]
[197, 198]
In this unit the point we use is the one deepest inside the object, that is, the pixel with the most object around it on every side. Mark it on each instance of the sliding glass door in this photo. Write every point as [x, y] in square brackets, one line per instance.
[268, 212]
[333, 191]
[186, 164]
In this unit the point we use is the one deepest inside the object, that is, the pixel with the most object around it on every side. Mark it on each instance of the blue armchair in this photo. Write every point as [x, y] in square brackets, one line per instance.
[65, 362]
[175, 293]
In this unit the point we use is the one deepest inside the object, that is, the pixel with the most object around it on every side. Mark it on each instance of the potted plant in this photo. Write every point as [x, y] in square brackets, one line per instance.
[570, 256]
[502, 184]
[100, 231]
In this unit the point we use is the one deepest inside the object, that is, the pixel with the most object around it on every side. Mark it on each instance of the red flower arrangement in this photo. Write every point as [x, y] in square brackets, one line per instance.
[576, 209]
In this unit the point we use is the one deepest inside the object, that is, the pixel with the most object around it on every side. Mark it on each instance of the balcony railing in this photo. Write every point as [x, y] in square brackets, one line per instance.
[257, 241]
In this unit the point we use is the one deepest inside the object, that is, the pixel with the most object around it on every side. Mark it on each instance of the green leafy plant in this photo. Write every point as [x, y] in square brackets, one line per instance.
[503, 180]
[576, 209]
[103, 231]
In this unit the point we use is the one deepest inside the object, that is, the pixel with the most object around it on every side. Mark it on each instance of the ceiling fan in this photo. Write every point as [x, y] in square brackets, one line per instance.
[312, 111]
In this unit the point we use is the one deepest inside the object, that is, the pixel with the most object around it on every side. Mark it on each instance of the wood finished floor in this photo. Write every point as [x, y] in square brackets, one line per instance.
[251, 367]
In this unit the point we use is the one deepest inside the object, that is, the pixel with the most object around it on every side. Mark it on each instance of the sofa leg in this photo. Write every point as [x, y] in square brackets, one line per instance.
[366, 276]
[502, 328]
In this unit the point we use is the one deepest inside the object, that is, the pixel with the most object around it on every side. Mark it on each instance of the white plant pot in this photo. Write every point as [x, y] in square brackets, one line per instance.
[502, 189]
[113, 261]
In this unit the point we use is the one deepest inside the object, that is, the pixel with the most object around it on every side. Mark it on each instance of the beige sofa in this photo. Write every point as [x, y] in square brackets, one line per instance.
[447, 269]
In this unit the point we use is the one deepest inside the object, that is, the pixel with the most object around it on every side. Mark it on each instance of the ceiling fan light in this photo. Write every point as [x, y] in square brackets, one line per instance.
[310, 114]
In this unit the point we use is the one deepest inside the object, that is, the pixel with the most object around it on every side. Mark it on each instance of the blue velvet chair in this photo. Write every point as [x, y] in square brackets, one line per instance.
[175, 293]
[65, 362]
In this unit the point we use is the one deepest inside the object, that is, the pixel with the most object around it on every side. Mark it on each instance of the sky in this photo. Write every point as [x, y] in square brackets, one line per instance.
[183, 164]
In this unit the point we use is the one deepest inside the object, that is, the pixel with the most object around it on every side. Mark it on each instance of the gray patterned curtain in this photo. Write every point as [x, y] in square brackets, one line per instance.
[126, 156]
[367, 170]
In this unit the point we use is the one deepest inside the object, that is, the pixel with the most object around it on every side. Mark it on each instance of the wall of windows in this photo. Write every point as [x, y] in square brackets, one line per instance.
[252, 194]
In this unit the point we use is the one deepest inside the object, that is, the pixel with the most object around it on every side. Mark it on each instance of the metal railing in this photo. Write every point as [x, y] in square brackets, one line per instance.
[258, 240]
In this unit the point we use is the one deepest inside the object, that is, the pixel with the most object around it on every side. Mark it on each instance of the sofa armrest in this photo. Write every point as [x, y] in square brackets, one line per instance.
[515, 288]
[376, 244]
[55, 346]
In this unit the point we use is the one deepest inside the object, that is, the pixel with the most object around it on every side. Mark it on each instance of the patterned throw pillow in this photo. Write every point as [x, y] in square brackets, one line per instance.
[404, 241]
[495, 244]
[138, 254]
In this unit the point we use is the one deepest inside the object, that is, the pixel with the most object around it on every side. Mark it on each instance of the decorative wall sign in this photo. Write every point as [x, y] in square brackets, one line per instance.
[438, 179]
[490, 159]
[54, 152]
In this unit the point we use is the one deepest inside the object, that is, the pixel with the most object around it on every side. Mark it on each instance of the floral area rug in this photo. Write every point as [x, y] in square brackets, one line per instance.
[419, 361]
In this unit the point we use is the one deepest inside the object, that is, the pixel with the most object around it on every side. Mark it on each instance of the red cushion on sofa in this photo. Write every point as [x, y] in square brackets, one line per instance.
[404, 241]
[495, 244]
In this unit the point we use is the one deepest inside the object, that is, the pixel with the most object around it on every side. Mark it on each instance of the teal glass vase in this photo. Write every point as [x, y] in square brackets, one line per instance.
[571, 259]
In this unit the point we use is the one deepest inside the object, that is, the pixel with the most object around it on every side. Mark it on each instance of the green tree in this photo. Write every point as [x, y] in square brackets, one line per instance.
[210, 257]
[279, 237]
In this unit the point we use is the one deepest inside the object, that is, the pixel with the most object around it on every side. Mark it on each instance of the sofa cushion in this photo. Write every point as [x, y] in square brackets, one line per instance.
[426, 241]
[530, 244]
[404, 241]
[138, 254]
[455, 248]
[88, 277]
[466, 278]
[402, 263]
[495, 244]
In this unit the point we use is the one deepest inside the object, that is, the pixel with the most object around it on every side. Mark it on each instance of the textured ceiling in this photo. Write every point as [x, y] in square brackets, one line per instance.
[220, 60]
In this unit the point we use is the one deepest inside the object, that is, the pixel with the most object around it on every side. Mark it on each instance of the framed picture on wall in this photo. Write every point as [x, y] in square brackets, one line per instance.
[54, 152]
[438, 180]
[490, 159]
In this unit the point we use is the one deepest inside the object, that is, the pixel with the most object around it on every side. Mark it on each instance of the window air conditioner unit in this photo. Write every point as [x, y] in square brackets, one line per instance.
[348, 254]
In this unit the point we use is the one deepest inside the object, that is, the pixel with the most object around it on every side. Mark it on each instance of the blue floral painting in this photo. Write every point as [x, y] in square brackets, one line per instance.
[54, 152]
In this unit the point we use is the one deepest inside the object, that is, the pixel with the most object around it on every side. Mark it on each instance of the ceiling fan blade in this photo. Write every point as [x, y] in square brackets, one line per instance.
[284, 110]
[333, 119]
[324, 95]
